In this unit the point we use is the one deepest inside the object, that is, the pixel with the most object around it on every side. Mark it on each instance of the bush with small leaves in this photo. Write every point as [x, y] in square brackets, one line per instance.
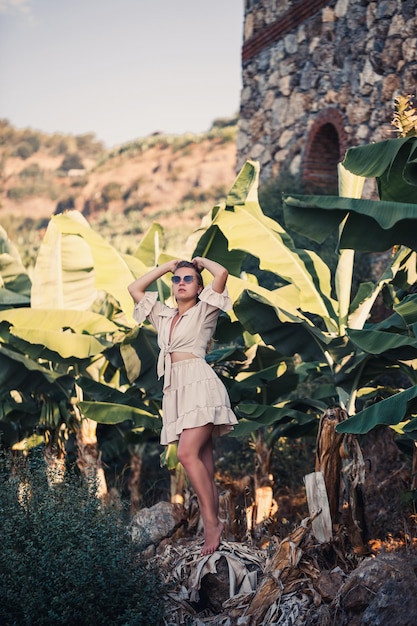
[71, 162]
[111, 191]
[31, 171]
[66, 558]
[24, 150]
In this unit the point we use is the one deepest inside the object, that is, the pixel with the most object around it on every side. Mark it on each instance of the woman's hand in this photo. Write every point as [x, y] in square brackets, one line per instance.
[198, 261]
[138, 287]
[172, 265]
[219, 272]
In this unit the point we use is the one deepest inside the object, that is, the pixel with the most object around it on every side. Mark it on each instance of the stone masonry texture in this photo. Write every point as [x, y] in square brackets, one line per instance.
[319, 77]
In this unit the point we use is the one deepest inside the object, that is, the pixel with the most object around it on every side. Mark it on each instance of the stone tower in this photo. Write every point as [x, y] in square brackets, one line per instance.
[320, 76]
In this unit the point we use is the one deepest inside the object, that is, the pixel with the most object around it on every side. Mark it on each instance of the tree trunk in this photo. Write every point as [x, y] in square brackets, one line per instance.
[89, 456]
[339, 458]
[133, 482]
[55, 457]
[264, 505]
[328, 460]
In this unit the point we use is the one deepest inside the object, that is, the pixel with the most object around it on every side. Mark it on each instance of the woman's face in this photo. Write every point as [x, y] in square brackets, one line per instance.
[185, 285]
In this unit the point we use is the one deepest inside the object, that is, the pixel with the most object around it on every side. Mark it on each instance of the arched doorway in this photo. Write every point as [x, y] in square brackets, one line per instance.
[325, 148]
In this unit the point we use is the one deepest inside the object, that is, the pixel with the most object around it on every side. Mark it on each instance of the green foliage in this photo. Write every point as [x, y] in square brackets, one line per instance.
[206, 195]
[34, 141]
[71, 162]
[66, 558]
[35, 186]
[225, 122]
[112, 191]
[18, 193]
[31, 171]
[271, 201]
[88, 144]
[23, 150]
[65, 205]
[222, 133]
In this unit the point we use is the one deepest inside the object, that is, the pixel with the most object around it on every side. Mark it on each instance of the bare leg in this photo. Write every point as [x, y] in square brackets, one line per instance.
[208, 460]
[195, 452]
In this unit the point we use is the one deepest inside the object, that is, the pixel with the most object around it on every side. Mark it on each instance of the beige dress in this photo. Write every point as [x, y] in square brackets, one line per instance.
[193, 393]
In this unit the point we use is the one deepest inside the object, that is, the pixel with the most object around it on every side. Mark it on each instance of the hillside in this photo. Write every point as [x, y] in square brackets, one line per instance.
[174, 180]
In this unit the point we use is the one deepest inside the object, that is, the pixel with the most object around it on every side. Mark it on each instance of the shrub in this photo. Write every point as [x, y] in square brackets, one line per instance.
[33, 141]
[64, 205]
[136, 207]
[111, 191]
[31, 171]
[23, 150]
[224, 122]
[67, 559]
[71, 162]
[17, 193]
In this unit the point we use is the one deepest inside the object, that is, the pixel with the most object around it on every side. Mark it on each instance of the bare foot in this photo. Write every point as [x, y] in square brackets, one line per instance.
[212, 539]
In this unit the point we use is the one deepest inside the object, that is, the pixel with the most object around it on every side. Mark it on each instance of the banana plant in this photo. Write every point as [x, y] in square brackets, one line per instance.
[15, 284]
[377, 226]
[312, 315]
[61, 338]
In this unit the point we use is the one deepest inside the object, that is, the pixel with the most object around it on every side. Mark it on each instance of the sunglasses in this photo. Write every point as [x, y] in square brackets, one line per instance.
[187, 279]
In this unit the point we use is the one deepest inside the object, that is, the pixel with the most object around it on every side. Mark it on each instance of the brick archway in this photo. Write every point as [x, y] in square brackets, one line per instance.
[325, 148]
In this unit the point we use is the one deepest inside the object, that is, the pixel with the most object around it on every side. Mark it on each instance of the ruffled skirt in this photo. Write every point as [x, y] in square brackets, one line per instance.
[196, 396]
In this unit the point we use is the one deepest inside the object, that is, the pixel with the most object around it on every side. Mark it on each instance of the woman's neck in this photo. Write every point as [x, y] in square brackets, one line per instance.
[185, 306]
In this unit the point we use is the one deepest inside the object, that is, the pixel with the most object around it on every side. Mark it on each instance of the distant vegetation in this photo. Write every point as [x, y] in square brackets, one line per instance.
[46, 173]
[23, 143]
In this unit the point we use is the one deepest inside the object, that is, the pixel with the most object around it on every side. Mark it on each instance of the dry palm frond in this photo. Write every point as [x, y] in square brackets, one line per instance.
[262, 590]
[185, 568]
[405, 116]
[282, 575]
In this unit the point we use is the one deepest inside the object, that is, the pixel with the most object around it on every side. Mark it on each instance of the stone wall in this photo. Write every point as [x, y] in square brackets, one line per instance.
[319, 77]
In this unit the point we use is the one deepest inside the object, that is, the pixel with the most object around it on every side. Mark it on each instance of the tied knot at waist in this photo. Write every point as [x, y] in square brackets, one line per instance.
[164, 366]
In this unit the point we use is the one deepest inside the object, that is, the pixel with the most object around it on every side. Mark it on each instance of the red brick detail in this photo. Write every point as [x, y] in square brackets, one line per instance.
[292, 18]
[326, 146]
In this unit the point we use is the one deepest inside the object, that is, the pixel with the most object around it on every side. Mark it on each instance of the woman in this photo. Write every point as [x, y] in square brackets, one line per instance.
[195, 403]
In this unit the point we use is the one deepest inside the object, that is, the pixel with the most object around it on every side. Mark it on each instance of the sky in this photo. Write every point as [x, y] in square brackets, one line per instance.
[121, 69]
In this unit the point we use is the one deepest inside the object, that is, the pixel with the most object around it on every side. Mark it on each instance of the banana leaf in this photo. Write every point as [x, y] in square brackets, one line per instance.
[213, 239]
[362, 305]
[392, 163]
[10, 299]
[384, 343]
[252, 417]
[140, 362]
[100, 267]
[111, 413]
[18, 371]
[389, 412]
[85, 322]
[259, 357]
[369, 225]
[55, 346]
[63, 276]
[13, 274]
[149, 247]
[268, 384]
[105, 393]
[248, 230]
[407, 309]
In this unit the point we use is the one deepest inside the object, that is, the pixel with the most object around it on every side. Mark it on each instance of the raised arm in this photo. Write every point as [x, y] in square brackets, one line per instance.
[219, 272]
[138, 287]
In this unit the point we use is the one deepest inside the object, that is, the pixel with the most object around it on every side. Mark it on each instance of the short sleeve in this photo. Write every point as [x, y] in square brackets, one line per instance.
[219, 300]
[144, 307]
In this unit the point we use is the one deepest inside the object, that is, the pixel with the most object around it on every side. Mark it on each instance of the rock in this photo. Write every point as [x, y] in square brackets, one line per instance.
[395, 603]
[149, 526]
[380, 591]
